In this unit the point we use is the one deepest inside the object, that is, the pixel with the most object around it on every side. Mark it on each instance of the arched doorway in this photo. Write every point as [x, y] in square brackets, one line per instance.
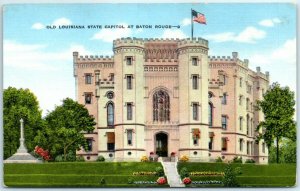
[161, 144]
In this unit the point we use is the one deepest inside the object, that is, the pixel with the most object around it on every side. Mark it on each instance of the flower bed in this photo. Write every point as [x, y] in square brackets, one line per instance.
[143, 173]
[208, 182]
[206, 173]
[41, 152]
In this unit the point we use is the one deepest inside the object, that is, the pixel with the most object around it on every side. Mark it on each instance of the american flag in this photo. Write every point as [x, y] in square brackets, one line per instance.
[198, 17]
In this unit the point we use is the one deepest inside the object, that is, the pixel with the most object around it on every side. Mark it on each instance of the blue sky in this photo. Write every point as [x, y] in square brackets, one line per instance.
[41, 59]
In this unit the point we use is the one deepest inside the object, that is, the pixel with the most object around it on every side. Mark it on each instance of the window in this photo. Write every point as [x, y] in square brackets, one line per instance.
[89, 143]
[129, 82]
[224, 121]
[251, 126]
[194, 61]
[161, 106]
[111, 77]
[88, 78]
[248, 149]
[110, 141]
[88, 98]
[196, 136]
[249, 89]
[224, 80]
[240, 100]
[210, 114]
[129, 111]
[241, 145]
[248, 124]
[210, 143]
[110, 114]
[224, 99]
[129, 136]
[241, 123]
[247, 103]
[129, 60]
[263, 147]
[241, 82]
[195, 81]
[251, 106]
[97, 76]
[210, 94]
[224, 144]
[195, 111]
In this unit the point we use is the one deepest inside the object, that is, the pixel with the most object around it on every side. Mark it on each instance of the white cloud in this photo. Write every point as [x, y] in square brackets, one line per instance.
[38, 26]
[48, 74]
[281, 63]
[173, 33]
[62, 21]
[108, 35]
[186, 22]
[248, 35]
[269, 22]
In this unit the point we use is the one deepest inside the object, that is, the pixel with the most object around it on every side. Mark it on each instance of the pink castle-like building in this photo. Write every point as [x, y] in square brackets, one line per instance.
[167, 96]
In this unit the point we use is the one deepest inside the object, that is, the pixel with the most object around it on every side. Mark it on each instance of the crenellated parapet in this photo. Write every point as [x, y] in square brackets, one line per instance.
[91, 58]
[195, 45]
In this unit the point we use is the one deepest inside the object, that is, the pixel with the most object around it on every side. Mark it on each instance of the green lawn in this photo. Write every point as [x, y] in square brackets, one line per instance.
[79, 174]
[272, 175]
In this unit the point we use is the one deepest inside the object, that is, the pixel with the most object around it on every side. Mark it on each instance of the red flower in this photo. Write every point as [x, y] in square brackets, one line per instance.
[187, 180]
[161, 180]
[151, 153]
[40, 151]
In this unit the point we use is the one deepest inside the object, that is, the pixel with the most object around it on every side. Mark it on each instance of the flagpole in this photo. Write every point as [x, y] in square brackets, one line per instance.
[192, 23]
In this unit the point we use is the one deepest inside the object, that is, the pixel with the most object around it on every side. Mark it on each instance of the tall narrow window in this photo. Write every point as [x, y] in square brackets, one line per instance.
[210, 114]
[251, 127]
[247, 103]
[240, 100]
[196, 136]
[110, 114]
[112, 77]
[89, 143]
[161, 106]
[263, 147]
[129, 111]
[110, 141]
[88, 98]
[224, 121]
[224, 99]
[195, 81]
[129, 60]
[210, 143]
[88, 78]
[248, 124]
[224, 80]
[248, 149]
[129, 82]
[241, 82]
[195, 61]
[241, 123]
[195, 111]
[224, 144]
[129, 136]
[241, 145]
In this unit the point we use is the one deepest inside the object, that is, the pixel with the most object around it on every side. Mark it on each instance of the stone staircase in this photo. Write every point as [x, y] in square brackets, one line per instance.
[173, 177]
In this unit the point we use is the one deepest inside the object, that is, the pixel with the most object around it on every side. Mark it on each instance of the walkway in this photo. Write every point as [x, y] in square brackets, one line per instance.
[173, 177]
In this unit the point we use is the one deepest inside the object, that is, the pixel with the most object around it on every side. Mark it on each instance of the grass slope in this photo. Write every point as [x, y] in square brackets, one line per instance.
[85, 174]
[272, 175]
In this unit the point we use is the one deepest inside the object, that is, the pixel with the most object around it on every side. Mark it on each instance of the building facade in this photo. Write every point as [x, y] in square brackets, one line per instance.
[166, 96]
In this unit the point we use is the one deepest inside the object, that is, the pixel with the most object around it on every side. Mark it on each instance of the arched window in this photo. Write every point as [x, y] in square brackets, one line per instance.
[161, 106]
[110, 114]
[210, 114]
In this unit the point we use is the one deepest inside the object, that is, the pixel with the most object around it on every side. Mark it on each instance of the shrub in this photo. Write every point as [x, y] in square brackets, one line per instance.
[219, 159]
[184, 173]
[161, 180]
[187, 180]
[59, 158]
[250, 161]
[144, 159]
[159, 171]
[237, 160]
[80, 159]
[71, 156]
[102, 181]
[130, 181]
[238, 170]
[184, 158]
[100, 158]
[229, 179]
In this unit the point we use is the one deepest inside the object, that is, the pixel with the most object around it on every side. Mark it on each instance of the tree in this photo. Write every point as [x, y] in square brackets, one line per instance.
[17, 104]
[65, 127]
[229, 179]
[278, 107]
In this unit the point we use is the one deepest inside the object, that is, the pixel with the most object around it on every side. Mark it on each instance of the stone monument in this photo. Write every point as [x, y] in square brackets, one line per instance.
[22, 156]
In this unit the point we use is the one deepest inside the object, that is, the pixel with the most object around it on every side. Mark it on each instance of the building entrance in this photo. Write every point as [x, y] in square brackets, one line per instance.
[161, 144]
